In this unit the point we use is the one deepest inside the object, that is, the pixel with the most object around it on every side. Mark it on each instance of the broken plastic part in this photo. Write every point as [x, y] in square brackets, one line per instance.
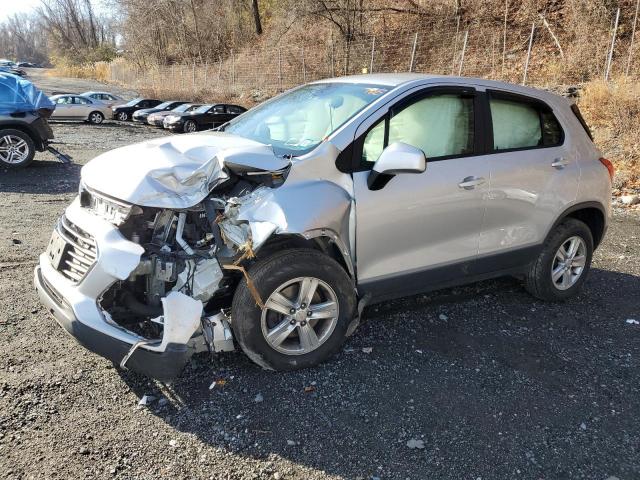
[201, 277]
[181, 315]
[220, 336]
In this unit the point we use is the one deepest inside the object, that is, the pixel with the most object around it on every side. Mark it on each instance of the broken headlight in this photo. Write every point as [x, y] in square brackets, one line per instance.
[109, 209]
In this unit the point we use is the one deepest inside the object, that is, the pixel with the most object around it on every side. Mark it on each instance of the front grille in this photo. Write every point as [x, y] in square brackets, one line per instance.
[80, 252]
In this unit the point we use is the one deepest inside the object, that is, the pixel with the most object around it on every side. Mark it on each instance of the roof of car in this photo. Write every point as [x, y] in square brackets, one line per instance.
[398, 79]
[99, 93]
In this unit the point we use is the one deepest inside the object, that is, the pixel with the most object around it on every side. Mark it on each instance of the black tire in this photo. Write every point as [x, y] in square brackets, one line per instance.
[96, 118]
[122, 116]
[190, 126]
[13, 134]
[539, 281]
[269, 274]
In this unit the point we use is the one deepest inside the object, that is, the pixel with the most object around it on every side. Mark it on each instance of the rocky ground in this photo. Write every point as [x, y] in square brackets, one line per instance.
[480, 382]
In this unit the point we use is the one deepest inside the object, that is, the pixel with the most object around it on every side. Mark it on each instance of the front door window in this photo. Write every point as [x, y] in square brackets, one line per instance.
[439, 125]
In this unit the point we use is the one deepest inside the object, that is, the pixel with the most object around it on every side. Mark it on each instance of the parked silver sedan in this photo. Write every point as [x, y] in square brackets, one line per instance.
[77, 107]
[109, 99]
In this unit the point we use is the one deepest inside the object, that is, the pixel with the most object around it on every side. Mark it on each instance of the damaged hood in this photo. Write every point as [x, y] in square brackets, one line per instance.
[176, 171]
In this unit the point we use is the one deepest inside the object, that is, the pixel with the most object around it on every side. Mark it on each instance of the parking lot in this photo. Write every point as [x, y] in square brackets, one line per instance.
[475, 382]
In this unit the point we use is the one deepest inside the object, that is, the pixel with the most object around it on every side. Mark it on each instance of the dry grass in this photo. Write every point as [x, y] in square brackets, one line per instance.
[613, 112]
[97, 71]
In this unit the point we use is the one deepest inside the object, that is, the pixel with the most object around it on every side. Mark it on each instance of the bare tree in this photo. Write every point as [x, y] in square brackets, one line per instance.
[21, 38]
[74, 30]
[256, 16]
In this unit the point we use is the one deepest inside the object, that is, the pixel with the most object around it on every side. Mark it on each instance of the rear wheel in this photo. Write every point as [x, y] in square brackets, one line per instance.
[122, 116]
[96, 118]
[17, 149]
[563, 263]
[309, 302]
[190, 126]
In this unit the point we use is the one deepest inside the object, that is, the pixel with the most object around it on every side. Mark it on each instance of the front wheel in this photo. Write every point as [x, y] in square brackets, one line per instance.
[563, 264]
[190, 126]
[123, 116]
[16, 148]
[309, 302]
[96, 118]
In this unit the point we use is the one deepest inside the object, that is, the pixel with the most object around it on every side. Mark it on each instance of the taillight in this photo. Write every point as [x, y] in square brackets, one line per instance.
[609, 166]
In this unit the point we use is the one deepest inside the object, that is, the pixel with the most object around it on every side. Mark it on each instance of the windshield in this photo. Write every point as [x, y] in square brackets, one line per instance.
[298, 121]
[203, 108]
[133, 102]
[182, 108]
[163, 105]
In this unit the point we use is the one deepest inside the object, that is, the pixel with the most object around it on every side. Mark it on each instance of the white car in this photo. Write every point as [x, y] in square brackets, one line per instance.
[78, 107]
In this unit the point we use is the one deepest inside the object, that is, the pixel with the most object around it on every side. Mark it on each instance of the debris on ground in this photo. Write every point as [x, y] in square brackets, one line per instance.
[146, 400]
[258, 398]
[367, 350]
[632, 321]
[630, 199]
[217, 383]
[413, 444]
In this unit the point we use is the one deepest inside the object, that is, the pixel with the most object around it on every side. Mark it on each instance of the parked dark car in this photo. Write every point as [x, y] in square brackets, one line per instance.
[23, 121]
[125, 112]
[156, 119]
[141, 115]
[205, 117]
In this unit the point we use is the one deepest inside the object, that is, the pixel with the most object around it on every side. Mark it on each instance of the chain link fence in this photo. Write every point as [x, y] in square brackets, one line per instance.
[526, 53]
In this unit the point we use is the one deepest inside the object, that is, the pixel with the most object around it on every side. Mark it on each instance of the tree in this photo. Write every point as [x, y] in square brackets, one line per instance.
[256, 16]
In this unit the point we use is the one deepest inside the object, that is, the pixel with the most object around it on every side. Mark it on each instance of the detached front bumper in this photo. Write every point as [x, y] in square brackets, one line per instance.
[74, 304]
[163, 366]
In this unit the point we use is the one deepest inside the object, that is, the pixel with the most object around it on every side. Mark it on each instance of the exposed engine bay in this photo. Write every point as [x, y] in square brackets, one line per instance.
[200, 252]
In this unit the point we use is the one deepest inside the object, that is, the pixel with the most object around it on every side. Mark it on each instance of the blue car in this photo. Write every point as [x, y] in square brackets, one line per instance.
[24, 129]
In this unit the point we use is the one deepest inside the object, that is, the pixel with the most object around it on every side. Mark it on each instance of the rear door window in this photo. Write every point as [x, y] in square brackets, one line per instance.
[521, 124]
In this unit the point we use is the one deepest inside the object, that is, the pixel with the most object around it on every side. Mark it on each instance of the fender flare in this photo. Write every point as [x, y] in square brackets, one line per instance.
[581, 206]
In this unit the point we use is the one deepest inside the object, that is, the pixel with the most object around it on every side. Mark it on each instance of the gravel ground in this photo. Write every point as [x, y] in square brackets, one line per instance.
[474, 382]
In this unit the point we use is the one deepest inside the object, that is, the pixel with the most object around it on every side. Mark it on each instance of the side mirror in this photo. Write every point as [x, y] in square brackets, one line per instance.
[396, 158]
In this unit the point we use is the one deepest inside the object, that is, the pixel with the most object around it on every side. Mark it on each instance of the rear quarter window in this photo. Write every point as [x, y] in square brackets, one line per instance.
[578, 114]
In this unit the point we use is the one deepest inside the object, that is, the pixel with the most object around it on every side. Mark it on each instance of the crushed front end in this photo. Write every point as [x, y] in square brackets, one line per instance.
[145, 287]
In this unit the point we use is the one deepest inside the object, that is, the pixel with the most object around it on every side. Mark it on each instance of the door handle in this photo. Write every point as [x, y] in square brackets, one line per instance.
[469, 183]
[560, 163]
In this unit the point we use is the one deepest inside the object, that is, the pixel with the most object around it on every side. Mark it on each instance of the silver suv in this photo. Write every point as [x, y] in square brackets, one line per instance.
[274, 231]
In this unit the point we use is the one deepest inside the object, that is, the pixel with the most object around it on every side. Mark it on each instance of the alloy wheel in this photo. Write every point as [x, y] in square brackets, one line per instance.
[299, 316]
[568, 263]
[96, 118]
[13, 149]
[123, 117]
[191, 126]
